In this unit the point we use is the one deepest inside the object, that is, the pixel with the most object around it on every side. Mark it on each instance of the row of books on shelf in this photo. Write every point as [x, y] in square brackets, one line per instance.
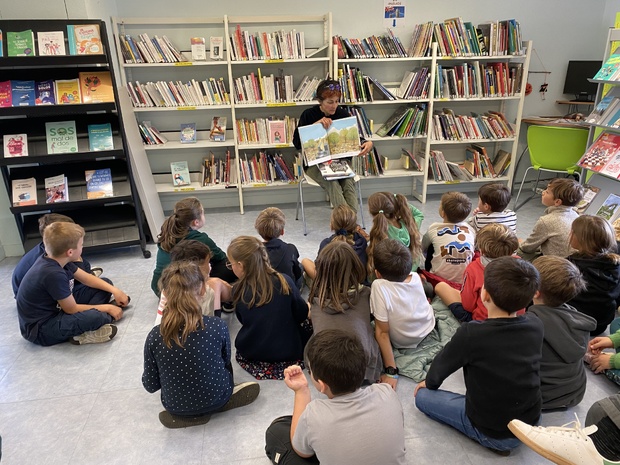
[449, 126]
[478, 80]
[383, 46]
[98, 185]
[264, 167]
[266, 130]
[278, 45]
[477, 164]
[405, 122]
[256, 88]
[218, 171]
[82, 39]
[178, 94]
[89, 87]
[358, 87]
[61, 137]
[187, 134]
[143, 49]
[456, 37]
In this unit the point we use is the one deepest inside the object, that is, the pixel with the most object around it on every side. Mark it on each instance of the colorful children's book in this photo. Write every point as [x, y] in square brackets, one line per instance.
[277, 131]
[68, 91]
[99, 183]
[609, 68]
[188, 133]
[100, 137]
[22, 93]
[61, 137]
[612, 167]
[218, 129]
[601, 151]
[96, 87]
[24, 192]
[56, 189]
[610, 208]
[1, 44]
[180, 173]
[84, 39]
[45, 93]
[15, 145]
[20, 44]
[336, 169]
[589, 192]
[342, 139]
[51, 43]
[6, 98]
[199, 50]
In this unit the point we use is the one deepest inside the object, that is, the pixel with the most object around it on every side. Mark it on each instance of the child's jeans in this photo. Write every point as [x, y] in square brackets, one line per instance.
[63, 326]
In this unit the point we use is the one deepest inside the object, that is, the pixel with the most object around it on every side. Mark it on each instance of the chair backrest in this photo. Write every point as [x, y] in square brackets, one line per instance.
[556, 148]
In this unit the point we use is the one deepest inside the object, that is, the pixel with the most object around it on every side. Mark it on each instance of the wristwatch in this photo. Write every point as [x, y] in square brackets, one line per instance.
[391, 371]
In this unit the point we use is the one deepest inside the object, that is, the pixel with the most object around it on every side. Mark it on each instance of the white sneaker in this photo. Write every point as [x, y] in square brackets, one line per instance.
[564, 445]
[103, 334]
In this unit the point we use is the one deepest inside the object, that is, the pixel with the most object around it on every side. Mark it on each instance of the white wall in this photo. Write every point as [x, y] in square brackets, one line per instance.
[561, 30]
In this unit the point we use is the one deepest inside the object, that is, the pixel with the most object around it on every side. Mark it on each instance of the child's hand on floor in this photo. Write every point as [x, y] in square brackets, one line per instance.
[294, 378]
[114, 311]
[601, 362]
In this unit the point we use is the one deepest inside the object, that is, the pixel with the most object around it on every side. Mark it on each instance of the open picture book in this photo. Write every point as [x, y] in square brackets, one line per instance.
[321, 147]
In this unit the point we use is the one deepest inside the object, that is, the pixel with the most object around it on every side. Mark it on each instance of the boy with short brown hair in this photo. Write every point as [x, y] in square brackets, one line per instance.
[47, 287]
[493, 198]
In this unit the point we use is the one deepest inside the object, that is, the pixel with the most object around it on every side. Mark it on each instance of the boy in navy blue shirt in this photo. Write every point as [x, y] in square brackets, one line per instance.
[47, 311]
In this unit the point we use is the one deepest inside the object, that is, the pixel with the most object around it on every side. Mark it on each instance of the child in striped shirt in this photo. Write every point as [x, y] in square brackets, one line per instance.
[493, 198]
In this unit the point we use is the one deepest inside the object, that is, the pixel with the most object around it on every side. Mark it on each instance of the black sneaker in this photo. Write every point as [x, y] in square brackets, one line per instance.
[243, 394]
[175, 421]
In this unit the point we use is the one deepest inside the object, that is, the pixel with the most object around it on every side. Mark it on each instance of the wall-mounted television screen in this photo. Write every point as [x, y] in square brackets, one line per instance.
[577, 75]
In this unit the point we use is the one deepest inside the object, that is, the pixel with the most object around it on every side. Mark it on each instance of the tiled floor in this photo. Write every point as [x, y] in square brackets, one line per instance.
[85, 404]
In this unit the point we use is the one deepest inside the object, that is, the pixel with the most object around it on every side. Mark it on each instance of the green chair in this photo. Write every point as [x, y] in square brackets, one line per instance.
[553, 149]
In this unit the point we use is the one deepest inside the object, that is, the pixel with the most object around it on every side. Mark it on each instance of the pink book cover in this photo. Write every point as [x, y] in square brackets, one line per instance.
[277, 132]
[601, 152]
[6, 99]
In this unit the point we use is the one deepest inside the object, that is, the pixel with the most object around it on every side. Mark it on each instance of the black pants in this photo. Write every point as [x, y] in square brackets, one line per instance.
[278, 444]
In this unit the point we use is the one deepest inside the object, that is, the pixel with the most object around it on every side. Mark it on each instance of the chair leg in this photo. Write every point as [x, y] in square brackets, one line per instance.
[361, 205]
[298, 197]
[303, 213]
[516, 204]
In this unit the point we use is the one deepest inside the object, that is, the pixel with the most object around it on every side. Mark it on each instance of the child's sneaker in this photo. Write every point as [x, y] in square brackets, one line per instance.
[175, 421]
[228, 307]
[97, 271]
[565, 445]
[243, 394]
[103, 334]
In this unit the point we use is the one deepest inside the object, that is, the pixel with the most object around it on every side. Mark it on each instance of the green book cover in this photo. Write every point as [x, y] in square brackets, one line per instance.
[100, 137]
[20, 44]
[61, 137]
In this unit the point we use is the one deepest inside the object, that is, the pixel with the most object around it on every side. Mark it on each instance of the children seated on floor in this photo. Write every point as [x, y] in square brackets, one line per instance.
[338, 300]
[449, 245]
[270, 309]
[500, 358]
[596, 256]
[47, 311]
[403, 315]
[492, 241]
[188, 355]
[216, 289]
[353, 425]
[284, 257]
[493, 198]
[550, 233]
[80, 292]
[606, 362]
[567, 331]
[344, 224]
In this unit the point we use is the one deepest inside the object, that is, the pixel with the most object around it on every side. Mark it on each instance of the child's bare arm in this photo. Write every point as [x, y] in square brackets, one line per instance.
[222, 290]
[382, 335]
[309, 267]
[296, 380]
[70, 306]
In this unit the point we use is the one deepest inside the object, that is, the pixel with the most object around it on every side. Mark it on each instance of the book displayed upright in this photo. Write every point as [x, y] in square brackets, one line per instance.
[6, 97]
[277, 132]
[610, 210]
[20, 44]
[51, 43]
[199, 49]
[23, 93]
[100, 137]
[15, 145]
[68, 91]
[180, 173]
[24, 192]
[96, 87]
[188, 133]
[99, 183]
[84, 39]
[218, 129]
[56, 189]
[61, 137]
[340, 140]
[600, 152]
[589, 193]
[45, 93]
[216, 48]
[610, 68]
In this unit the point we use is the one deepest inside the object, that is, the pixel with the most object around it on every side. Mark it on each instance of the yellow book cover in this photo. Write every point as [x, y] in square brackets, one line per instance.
[96, 87]
[68, 91]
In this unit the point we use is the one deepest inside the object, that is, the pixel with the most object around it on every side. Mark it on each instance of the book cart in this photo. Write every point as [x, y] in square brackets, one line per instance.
[109, 222]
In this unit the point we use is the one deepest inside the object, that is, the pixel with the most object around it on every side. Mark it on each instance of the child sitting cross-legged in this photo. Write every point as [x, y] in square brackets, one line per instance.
[493, 241]
[352, 425]
[216, 290]
[339, 300]
[403, 315]
[493, 198]
[188, 355]
[567, 331]
[500, 358]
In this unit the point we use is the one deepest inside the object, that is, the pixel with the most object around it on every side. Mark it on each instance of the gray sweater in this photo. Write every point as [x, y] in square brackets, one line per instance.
[551, 231]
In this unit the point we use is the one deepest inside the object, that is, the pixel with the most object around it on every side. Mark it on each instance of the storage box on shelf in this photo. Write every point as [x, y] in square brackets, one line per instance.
[111, 221]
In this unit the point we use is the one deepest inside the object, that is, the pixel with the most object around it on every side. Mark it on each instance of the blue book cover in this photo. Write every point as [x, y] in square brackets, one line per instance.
[71, 39]
[100, 137]
[1, 44]
[44, 93]
[99, 183]
[188, 133]
[22, 93]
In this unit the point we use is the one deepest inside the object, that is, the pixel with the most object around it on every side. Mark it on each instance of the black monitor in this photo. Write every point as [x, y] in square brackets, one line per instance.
[577, 75]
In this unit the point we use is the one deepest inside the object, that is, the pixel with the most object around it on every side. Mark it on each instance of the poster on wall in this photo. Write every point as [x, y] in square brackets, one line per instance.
[394, 13]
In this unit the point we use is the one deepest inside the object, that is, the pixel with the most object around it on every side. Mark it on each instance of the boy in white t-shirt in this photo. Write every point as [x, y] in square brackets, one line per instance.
[216, 291]
[403, 315]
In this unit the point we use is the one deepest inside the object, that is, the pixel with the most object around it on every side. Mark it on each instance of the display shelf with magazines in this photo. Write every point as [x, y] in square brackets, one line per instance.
[62, 121]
